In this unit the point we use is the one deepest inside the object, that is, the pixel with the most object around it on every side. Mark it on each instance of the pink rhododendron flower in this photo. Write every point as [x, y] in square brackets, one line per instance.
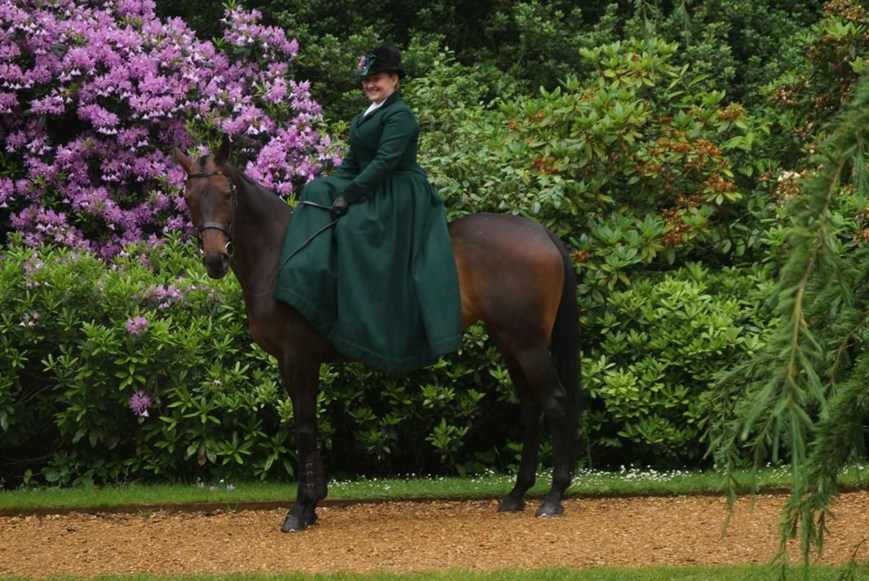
[137, 325]
[139, 403]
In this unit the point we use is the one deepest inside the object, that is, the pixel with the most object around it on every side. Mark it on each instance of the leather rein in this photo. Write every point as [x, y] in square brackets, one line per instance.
[227, 230]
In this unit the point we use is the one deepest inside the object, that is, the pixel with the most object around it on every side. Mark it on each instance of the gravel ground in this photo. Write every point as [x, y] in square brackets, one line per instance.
[403, 537]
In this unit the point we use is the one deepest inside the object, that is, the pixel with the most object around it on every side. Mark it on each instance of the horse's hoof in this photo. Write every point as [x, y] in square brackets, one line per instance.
[509, 504]
[550, 508]
[296, 523]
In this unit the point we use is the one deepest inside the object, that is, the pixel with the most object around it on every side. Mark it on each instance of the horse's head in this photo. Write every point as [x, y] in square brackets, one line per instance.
[210, 195]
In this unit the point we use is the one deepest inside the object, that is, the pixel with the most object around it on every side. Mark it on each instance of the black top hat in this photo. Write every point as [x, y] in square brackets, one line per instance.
[384, 58]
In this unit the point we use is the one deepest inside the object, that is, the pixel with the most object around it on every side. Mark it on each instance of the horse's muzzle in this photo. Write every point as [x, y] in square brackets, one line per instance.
[216, 247]
[217, 264]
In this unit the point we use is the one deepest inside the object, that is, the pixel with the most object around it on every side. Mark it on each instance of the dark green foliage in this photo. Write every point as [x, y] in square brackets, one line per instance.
[740, 44]
[661, 343]
[811, 91]
[804, 396]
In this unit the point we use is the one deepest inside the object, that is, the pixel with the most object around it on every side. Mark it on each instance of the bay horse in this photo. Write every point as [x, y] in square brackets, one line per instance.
[514, 276]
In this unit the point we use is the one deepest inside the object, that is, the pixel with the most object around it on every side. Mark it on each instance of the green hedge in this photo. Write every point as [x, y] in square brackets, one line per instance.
[658, 347]
[81, 337]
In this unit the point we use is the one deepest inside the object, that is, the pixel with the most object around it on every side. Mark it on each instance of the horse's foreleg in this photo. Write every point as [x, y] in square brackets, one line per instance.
[312, 489]
[311, 475]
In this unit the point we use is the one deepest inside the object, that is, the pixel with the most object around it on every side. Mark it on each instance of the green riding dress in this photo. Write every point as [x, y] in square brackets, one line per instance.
[381, 283]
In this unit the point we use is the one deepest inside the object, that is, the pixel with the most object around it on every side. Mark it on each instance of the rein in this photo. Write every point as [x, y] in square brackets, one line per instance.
[228, 229]
[312, 236]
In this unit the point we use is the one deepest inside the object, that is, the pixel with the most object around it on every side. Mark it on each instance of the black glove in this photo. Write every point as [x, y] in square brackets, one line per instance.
[339, 207]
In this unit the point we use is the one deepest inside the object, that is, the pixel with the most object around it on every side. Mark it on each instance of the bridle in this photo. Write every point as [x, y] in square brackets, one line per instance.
[228, 229]
[233, 200]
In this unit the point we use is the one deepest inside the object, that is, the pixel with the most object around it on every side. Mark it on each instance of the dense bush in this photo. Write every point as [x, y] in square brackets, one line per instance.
[103, 377]
[739, 45]
[663, 341]
[633, 165]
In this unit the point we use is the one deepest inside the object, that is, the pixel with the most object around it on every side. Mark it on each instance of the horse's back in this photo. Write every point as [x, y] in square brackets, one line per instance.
[511, 273]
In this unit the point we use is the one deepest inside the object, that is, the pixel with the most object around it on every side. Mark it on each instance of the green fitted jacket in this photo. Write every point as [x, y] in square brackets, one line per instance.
[381, 283]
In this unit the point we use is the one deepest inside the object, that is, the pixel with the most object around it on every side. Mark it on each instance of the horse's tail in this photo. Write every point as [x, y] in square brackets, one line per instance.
[565, 345]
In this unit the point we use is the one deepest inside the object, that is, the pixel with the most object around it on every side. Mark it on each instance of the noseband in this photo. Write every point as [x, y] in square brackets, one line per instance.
[233, 198]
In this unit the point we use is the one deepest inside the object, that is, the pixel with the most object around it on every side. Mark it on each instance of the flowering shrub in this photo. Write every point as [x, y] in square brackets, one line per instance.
[94, 94]
[102, 374]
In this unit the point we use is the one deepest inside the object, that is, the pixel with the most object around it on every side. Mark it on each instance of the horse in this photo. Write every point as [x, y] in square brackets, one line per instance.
[515, 277]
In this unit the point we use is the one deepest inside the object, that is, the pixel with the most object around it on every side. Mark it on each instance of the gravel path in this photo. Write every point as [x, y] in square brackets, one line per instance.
[404, 537]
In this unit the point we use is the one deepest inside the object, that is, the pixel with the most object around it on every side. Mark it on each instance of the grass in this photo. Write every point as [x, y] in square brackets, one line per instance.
[586, 483]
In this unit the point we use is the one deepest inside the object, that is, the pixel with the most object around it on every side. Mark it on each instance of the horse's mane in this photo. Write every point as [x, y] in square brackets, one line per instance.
[235, 172]
[249, 180]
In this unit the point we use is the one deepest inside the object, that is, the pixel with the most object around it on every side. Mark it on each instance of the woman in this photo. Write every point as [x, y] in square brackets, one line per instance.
[381, 282]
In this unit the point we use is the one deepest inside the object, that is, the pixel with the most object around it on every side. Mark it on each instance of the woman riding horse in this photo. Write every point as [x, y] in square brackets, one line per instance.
[381, 283]
[376, 250]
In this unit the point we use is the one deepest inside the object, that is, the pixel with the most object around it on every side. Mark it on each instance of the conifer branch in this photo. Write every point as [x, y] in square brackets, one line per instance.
[804, 394]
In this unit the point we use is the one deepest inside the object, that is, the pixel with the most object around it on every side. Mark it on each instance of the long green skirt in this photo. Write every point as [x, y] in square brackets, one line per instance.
[381, 283]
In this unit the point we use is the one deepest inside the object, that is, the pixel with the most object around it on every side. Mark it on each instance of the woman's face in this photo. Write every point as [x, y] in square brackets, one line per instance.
[379, 86]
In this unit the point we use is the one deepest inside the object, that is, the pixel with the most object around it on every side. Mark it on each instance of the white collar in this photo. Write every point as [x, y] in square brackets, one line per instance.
[373, 107]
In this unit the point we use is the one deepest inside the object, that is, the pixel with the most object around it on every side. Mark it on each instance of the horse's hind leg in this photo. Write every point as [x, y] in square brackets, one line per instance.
[540, 373]
[555, 411]
[533, 428]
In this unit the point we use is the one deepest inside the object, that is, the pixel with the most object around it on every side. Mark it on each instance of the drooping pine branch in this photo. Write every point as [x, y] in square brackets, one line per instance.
[805, 392]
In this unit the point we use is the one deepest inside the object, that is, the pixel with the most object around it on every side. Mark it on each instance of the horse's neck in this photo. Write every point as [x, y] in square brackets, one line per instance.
[262, 219]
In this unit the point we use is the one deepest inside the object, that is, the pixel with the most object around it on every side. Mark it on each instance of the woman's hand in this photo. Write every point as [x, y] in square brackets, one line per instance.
[339, 207]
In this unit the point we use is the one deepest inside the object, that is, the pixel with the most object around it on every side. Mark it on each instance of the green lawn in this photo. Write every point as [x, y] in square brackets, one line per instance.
[586, 483]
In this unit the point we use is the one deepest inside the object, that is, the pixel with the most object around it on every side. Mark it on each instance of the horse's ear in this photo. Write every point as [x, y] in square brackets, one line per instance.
[182, 159]
[223, 151]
